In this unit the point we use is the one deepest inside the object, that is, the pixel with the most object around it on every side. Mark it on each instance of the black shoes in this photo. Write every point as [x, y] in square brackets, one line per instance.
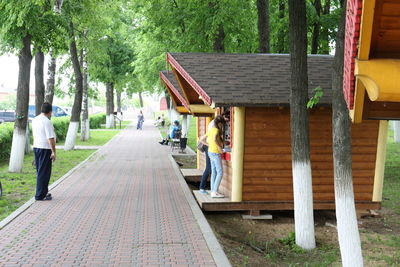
[47, 197]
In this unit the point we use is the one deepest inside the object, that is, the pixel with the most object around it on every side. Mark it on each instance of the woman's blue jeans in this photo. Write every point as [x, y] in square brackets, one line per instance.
[207, 171]
[216, 171]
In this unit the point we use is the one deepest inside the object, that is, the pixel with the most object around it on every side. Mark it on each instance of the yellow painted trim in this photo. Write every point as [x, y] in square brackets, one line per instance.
[182, 109]
[380, 78]
[366, 26]
[201, 109]
[359, 95]
[197, 139]
[380, 161]
[238, 153]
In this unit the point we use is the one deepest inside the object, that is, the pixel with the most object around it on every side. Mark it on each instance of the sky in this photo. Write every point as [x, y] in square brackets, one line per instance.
[9, 72]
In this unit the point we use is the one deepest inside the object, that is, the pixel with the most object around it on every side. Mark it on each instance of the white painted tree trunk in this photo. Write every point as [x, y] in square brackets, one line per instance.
[17, 151]
[184, 126]
[303, 205]
[396, 130]
[349, 238]
[71, 135]
[189, 118]
[109, 121]
[85, 130]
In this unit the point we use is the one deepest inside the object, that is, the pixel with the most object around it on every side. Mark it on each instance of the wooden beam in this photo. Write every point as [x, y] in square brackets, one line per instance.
[238, 153]
[367, 20]
[380, 161]
[201, 109]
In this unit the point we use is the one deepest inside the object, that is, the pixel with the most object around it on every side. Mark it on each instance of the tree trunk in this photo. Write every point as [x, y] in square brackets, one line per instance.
[51, 79]
[39, 81]
[85, 127]
[77, 106]
[301, 165]
[219, 40]
[324, 36]
[396, 131]
[119, 110]
[184, 125]
[167, 99]
[349, 237]
[57, 6]
[280, 47]
[316, 28]
[19, 135]
[109, 105]
[263, 25]
[140, 99]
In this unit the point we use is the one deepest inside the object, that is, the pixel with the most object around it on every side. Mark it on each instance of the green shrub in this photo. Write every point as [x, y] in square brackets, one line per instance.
[6, 134]
[60, 127]
[97, 120]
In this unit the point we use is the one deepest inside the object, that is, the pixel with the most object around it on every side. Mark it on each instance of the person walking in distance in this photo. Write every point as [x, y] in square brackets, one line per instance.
[140, 118]
[44, 148]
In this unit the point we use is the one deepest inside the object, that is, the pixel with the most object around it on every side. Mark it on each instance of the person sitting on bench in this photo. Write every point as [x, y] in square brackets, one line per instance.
[173, 133]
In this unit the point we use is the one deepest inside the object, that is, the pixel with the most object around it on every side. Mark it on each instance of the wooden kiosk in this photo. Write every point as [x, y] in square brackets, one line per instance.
[257, 171]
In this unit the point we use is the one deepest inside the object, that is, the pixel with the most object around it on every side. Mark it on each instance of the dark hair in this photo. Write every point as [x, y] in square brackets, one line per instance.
[219, 119]
[176, 123]
[227, 113]
[46, 108]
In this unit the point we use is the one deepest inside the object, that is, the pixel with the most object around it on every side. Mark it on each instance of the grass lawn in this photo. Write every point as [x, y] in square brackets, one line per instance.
[97, 138]
[20, 187]
[123, 125]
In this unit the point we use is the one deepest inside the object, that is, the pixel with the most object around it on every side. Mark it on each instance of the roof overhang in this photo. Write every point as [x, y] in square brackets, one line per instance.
[177, 99]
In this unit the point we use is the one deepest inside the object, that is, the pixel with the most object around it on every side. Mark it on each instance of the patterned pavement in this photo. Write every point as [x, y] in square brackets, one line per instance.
[124, 207]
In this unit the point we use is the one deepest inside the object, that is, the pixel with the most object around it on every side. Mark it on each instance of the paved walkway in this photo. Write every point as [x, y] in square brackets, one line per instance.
[125, 207]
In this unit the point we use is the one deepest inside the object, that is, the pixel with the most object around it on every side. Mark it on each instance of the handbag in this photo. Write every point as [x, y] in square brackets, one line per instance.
[200, 146]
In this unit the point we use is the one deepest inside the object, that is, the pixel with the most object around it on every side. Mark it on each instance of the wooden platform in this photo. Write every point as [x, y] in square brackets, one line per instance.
[207, 203]
[192, 175]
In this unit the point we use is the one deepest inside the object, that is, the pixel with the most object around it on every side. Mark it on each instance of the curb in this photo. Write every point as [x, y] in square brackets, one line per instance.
[218, 254]
[30, 202]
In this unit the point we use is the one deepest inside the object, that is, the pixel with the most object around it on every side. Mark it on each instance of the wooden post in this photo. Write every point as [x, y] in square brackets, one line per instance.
[238, 153]
[380, 161]
[184, 125]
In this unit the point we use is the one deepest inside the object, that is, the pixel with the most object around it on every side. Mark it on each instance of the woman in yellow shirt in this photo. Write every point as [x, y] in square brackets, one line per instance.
[215, 146]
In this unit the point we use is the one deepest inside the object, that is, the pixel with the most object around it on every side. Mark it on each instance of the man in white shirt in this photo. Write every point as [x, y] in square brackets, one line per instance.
[44, 147]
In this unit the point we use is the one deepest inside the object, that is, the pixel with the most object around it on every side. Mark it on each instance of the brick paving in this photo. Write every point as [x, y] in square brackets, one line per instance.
[124, 207]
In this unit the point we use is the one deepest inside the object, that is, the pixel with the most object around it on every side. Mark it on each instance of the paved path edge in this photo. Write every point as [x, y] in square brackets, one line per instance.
[214, 246]
[29, 203]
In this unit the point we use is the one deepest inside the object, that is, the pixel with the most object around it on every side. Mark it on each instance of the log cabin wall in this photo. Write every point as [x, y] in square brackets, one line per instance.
[226, 183]
[267, 161]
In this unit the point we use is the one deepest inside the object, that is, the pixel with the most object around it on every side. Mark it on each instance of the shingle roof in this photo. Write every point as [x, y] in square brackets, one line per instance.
[252, 79]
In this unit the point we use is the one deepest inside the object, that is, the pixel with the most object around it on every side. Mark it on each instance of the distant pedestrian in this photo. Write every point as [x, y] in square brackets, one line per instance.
[140, 118]
[44, 148]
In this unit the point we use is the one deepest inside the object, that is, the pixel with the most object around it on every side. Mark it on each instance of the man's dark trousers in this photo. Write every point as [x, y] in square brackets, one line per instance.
[207, 171]
[43, 171]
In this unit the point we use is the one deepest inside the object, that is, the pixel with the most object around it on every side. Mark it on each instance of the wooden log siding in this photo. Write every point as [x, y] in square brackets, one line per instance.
[268, 163]
[226, 183]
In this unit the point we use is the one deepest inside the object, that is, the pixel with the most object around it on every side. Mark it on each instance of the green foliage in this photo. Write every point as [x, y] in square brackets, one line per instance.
[318, 93]
[187, 26]
[9, 103]
[97, 120]
[6, 134]
[60, 125]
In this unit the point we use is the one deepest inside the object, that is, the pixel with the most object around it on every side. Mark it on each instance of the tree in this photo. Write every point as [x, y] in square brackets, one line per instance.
[263, 25]
[349, 237]
[39, 80]
[77, 106]
[85, 127]
[22, 24]
[301, 165]
[316, 27]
